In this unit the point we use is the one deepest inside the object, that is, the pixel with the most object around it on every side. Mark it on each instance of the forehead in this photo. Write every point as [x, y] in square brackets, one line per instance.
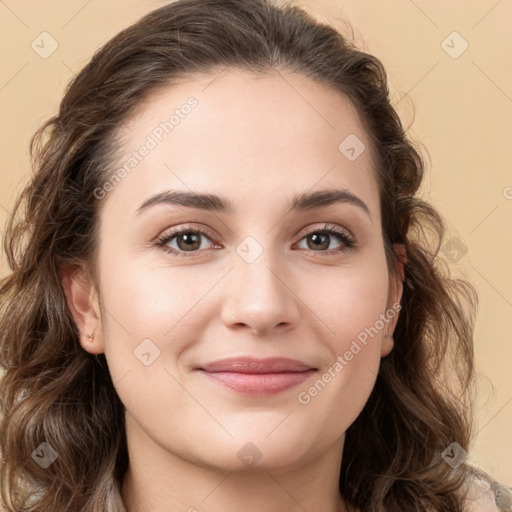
[249, 136]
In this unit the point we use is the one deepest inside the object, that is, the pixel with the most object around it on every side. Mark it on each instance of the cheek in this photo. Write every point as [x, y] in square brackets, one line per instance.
[152, 310]
[151, 317]
[145, 300]
[333, 401]
[348, 301]
[355, 315]
[351, 304]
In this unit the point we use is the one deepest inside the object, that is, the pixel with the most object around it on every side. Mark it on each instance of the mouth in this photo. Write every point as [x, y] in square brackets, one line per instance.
[257, 377]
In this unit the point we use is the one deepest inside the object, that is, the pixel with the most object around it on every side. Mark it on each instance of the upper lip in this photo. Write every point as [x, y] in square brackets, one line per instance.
[254, 365]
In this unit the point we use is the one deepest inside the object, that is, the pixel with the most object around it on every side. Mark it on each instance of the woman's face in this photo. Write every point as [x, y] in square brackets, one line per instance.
[264, 281]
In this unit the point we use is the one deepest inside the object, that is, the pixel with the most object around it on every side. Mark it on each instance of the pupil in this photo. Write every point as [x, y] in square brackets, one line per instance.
[189, 241]
[318, 240]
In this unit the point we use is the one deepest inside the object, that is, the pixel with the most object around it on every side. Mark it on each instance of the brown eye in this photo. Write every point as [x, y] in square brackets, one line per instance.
[189, 241]
[183, 241]
[320, 240]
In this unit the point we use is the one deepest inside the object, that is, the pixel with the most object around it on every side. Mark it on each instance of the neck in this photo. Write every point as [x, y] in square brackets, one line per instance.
[159, 481]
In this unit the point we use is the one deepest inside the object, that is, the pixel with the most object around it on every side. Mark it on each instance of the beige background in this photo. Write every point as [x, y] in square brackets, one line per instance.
[463, 115]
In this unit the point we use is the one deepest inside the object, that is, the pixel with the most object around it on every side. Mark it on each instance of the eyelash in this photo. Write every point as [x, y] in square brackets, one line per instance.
[329, 229]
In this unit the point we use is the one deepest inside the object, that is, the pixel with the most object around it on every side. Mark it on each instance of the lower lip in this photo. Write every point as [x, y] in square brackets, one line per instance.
[258, 384]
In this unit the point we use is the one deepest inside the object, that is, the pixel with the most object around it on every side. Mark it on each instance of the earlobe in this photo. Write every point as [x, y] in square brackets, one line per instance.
[82, 301]
[387, 345]
[395, 295]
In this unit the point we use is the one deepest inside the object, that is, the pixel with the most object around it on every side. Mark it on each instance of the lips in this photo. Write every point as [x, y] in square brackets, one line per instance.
[253, 365]
[257, 376]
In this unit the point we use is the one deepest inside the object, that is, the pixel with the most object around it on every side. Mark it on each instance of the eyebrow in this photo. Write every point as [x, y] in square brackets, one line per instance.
[211, 202]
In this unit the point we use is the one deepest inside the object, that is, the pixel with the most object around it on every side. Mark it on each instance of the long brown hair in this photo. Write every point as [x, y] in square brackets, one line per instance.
[53, 391]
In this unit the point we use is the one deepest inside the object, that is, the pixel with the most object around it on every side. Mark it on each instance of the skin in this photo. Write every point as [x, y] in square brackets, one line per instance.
[258, 141]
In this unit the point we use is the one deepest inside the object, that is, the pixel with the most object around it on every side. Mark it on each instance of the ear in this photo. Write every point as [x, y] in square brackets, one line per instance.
[82, 300]
[393, 307]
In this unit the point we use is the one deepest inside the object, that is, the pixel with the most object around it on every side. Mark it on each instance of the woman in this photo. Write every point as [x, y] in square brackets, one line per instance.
[170, 344]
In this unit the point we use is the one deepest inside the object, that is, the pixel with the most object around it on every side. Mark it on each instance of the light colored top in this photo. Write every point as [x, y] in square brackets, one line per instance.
[484, 495]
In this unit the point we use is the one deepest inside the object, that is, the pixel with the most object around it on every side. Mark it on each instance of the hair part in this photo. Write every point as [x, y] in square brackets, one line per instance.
[53, 391]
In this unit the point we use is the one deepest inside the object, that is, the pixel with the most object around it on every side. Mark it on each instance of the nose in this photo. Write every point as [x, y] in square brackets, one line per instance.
[259, 297]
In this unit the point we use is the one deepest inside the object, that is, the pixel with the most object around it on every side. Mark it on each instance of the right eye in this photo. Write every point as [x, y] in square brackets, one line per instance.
[186, 240]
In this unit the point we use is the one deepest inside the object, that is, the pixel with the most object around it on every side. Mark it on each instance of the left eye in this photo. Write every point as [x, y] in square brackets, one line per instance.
[318, 239]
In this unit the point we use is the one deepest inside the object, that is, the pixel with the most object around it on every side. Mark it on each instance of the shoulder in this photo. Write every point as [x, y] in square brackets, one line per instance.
[484, 494]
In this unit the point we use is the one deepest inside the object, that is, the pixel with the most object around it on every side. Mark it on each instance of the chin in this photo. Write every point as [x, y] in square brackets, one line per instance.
[255, 454]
